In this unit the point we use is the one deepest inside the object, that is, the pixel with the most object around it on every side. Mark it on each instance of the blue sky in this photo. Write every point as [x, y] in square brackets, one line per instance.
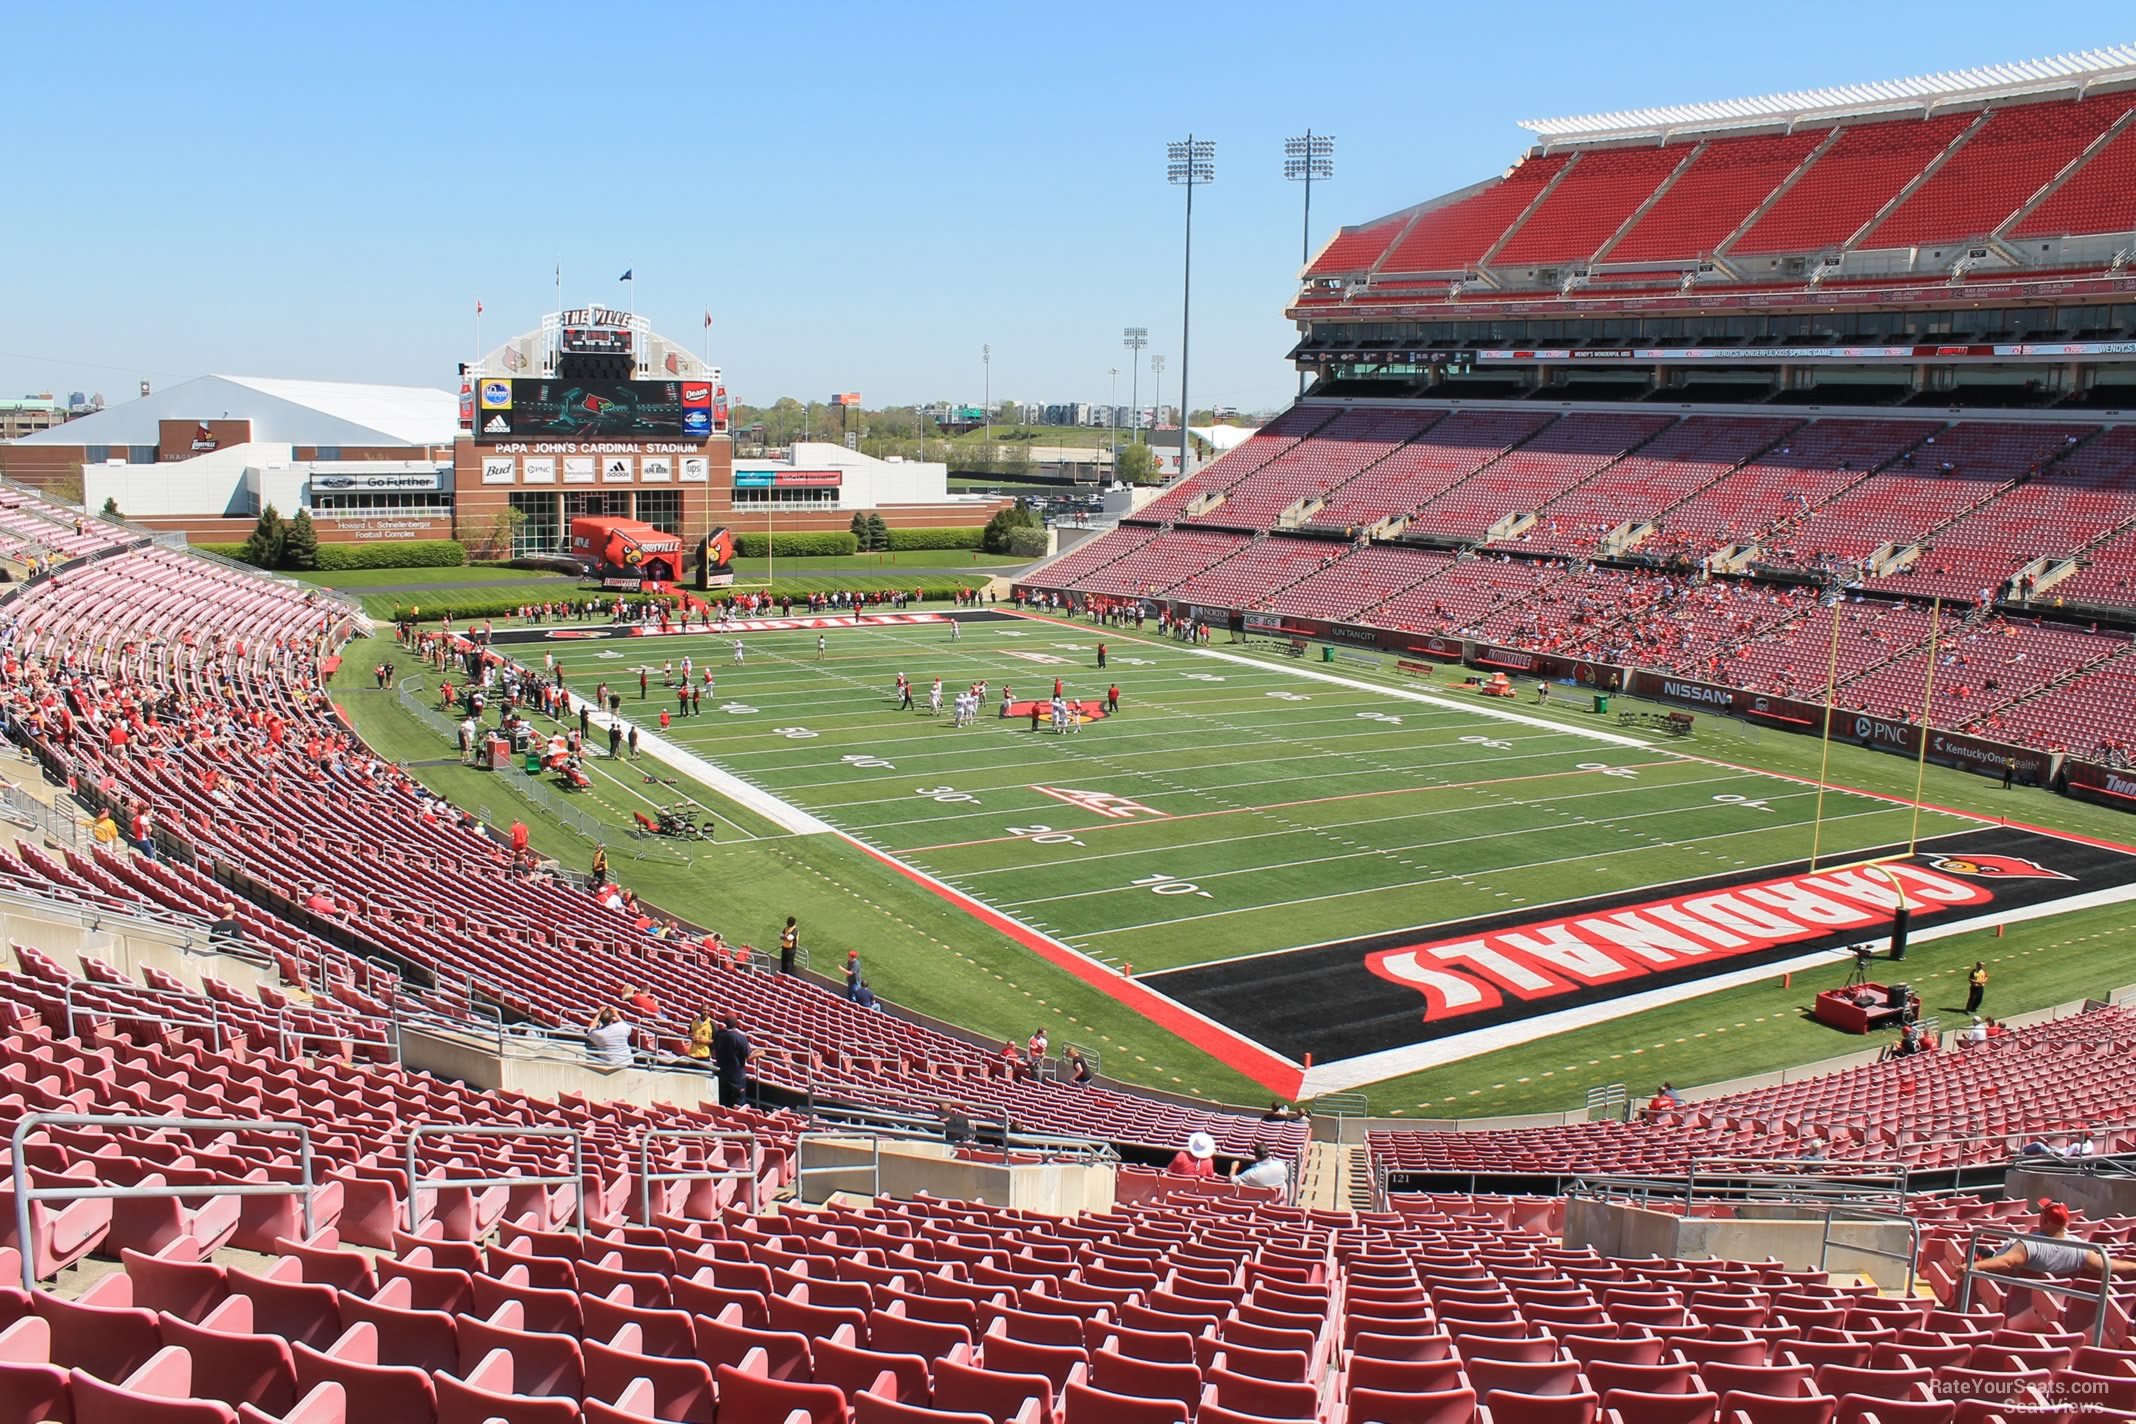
[864, 194]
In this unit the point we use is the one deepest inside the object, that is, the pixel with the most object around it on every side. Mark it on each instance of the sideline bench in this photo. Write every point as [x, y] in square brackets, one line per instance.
[1669, 724]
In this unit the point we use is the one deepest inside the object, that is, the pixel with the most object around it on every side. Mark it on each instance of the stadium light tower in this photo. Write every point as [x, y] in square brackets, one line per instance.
[1304, 159]
[1189, 162]
[1134, 338]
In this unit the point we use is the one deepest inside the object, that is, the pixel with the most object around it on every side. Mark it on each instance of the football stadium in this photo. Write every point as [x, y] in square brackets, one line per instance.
[1580, 872]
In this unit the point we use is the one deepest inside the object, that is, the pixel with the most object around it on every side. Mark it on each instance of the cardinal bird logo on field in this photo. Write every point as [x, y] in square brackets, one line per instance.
[1996, 867]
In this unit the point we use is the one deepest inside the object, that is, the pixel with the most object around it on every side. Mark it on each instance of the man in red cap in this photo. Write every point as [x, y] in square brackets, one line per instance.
[2057, 1257]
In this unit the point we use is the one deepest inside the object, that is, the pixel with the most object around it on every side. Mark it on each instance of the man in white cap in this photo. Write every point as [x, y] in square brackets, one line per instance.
[1196, 1159]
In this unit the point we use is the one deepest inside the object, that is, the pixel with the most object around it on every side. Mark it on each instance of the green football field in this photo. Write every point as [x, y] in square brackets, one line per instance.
[1270, 809]
[1244, 816]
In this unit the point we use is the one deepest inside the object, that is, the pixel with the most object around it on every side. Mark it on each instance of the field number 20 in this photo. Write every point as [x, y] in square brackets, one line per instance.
[1044, 835]
[1171, 885]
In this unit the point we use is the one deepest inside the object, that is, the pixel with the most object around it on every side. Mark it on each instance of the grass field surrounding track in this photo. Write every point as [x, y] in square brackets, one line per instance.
[1272, 810]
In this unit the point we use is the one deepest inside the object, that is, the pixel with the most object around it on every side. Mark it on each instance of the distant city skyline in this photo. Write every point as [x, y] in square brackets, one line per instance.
[862, 196]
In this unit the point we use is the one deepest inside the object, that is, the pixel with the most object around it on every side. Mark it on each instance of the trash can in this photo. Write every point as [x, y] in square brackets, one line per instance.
[1327, 653]
[531, 764]
[1601, 702]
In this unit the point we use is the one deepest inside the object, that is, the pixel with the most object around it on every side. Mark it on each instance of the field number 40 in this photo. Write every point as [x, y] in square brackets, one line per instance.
[1171, 885]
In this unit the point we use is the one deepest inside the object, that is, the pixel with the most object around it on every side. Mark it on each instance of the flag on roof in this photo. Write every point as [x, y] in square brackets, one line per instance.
[708, 318]
[626, 275]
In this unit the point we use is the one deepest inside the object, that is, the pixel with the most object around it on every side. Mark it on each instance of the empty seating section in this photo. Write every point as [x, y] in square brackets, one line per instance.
[1602, 189]
[1710, 199]
[2082, 492]
[1461, 597]
[1667, 470]
[1245, 579]
[2040, 517]
[1979, 667]
[1537, 471]
[1356, 249]
[1163, 563]
[1233, 466]
[2099, 197]
[2087, 716]
[1847, 183]
[1311, 470]
[1370, 576]
[1950, 1108]
[1435, 460]
[31, 527]
[1809, 467]
[2105, 577]
[2000, 166]
[1095, 553]
[1456, 234]
[1796, 658]
[1951, 472]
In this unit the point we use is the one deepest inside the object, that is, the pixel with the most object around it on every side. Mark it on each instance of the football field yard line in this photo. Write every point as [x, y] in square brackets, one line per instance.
[1165, 774]
[1429, 880]
[1284, 806]
[1184, 847]
[1573, 825]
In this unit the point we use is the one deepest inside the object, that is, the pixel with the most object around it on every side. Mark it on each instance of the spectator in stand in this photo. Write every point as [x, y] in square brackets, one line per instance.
[639, 999]
[1037, 1046]
[1078, 1067]
[956, 1124]
[103, 830]
[789, 945]
[863, 996]
[731, 1052]
[518, 835]
[2056, 1257]
[1196, 1159]
[1266, 1171]
[600, 866]
[701, 1030]
[852, 971]
[225, 930]
[321, 902]
[1278, 1111]
[141, 830]
[608, 1039]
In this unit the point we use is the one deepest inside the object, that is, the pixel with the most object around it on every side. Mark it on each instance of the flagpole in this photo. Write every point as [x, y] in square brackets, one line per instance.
[478, 330]
[1824, 760]
[1928, 703]
[559, 284]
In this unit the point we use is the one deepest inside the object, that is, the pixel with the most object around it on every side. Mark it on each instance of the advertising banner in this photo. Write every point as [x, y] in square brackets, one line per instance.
[695, 470]
[498, 469]
[538, 469]
[578, 469]
[2107, 785]
[618, 469]
[657, 469]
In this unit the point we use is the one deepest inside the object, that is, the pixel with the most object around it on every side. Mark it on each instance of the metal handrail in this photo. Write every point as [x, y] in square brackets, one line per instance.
[2099, 1298]
[873, 1167]
[91, 987]
[1793, 1179]
[576, 1181]
[25, 1194]
[647, 1176]
[1342, 1107]
[1910, 1258]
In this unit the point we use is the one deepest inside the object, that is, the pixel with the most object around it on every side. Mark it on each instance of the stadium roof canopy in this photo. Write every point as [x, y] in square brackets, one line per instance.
[281, 411]
[2061, 73]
